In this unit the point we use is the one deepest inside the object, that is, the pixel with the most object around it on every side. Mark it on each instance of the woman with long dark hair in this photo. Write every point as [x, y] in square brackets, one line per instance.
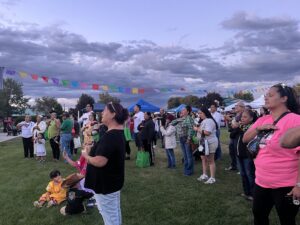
[208, 129]
[277, 174]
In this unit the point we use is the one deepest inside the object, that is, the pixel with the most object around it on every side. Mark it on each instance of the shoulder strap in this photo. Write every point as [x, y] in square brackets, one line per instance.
[280, 117]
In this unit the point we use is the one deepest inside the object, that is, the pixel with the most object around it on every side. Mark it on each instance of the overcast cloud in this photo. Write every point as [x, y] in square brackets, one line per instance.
[265, 50]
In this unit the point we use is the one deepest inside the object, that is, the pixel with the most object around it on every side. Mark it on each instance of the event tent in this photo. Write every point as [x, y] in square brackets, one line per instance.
[257, 103]
[145, 106]
[229, 107]
[179, 108]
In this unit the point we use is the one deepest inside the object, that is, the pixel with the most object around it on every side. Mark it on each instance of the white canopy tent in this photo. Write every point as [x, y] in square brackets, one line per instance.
[257, 103]
[229, 107]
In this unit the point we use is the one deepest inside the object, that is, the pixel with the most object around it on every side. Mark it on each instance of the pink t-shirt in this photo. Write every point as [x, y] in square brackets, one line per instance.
[276, 166]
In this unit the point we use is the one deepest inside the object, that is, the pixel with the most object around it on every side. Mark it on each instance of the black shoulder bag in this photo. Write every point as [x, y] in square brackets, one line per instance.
[253, 145]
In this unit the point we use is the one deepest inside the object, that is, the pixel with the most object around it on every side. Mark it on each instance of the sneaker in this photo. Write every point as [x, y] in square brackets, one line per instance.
[210, 181]
[37, 204]
[230, 168]
[50, 203]
[154, 146]
[203, 177]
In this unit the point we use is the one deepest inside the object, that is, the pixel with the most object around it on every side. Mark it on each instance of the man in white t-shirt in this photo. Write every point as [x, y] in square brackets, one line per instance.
[218, 118]
[26, 128]
[85, 117]
[137, 119]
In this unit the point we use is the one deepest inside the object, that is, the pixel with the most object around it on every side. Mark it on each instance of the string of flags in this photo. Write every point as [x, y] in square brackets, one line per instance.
[117, 89]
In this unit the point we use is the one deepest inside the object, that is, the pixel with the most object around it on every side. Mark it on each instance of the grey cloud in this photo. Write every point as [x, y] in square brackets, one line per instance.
[245, 21]
[260, 50]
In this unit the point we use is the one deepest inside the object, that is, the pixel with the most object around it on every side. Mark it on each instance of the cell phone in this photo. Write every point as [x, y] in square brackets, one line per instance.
[289, 199]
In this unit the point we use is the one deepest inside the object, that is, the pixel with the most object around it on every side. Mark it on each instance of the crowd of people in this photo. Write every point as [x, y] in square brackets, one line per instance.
[269, 177]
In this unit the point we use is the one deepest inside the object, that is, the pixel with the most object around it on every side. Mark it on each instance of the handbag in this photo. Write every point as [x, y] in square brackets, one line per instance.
[142, 159]
[127, 134]
[77, 142]
[203, 145]
[253, 145]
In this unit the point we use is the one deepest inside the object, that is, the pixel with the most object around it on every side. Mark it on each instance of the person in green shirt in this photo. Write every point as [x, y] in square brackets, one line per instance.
[184, 128]
[66, 133]
[53, 135]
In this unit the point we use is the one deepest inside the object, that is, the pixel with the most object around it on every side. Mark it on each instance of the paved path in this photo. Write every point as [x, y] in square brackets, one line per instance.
[4, 137]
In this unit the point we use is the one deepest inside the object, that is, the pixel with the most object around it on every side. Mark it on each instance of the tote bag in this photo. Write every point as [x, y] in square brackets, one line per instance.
[142, 159]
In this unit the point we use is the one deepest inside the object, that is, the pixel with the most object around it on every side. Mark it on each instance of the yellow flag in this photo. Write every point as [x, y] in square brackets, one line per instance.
[135, 90]
[105, 88]
[23, 74]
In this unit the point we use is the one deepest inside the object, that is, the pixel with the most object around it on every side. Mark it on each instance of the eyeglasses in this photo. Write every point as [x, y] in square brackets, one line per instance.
[112, 105]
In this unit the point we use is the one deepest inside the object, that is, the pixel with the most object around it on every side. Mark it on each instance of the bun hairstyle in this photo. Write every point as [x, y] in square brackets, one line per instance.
[121, 113]
[189, 109]
[292, 102]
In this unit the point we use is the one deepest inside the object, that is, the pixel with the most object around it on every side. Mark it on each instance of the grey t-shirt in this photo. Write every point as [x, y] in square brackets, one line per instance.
[209, 125]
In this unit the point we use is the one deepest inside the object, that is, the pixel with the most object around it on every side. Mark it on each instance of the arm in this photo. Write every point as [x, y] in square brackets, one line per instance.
[170, 131]
[70, 161]
[291, 139]
[97, 161]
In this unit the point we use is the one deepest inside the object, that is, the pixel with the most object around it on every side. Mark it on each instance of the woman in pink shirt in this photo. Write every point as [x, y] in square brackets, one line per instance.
[277, 168]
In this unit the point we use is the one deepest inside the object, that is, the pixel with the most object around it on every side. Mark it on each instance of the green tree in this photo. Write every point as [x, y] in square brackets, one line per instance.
[12, 99]
[84, 99]
[297, 89]
[47, 104]
[247, 96]
[191, 100]
[174, 102]
[106, 98]
[213, 97]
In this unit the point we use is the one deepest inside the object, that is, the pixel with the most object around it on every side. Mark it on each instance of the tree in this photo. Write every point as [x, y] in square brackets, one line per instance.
[12, 99]
[106, 98]
[47, 104]
[297, 89]
[247, 96]
[174, 102]
[191, 100]
[84, 99]
[213, 97]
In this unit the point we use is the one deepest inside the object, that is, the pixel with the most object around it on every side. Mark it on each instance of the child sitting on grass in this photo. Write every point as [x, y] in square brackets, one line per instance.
[55, 192]
[75, 197]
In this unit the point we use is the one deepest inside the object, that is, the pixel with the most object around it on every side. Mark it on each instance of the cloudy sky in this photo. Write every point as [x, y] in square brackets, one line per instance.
[195, 45]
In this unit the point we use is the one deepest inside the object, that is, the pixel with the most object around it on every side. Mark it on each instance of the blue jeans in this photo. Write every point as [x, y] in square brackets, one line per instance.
[109, 207]
[65, 141]
[187, 156]
[171, 158]
[247, 170]
[218, 153]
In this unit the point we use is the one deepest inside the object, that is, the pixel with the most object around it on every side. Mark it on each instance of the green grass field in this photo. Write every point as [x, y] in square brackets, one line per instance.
[150, 196]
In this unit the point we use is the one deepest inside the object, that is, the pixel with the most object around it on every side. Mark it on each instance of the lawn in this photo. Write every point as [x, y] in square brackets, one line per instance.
[150, 196]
